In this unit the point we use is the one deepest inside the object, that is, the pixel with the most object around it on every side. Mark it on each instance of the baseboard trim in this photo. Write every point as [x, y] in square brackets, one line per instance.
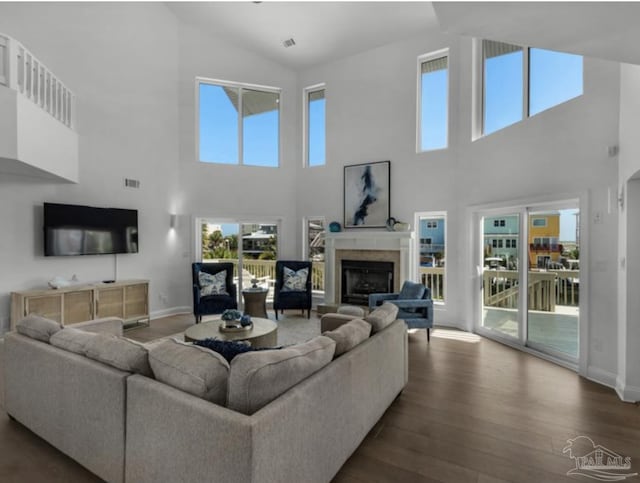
[601, 376]
[630, 394]
[157, 314]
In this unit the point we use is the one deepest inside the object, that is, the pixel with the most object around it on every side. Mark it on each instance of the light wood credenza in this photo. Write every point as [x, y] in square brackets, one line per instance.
[127, 299]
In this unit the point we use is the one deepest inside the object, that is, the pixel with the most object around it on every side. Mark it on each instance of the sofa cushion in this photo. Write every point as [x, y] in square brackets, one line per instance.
[72, 340]
[119, 352]
[257, 378]
[295, 281]
[349, 335]
[191, 368]
[382, 316]
[38, 327]
[213, 284]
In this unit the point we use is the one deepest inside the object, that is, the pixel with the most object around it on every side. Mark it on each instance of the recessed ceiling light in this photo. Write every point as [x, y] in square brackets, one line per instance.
[289, 43]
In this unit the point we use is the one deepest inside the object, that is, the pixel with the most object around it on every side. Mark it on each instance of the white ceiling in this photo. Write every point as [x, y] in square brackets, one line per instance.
[327, 31]
[323, 31]
[607, 30]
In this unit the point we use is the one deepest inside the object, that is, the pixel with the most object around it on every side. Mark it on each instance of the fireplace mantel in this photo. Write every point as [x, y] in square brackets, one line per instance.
[369, 245]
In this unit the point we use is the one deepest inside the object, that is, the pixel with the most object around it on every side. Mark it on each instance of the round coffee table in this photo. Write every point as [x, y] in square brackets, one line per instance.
[263, 334]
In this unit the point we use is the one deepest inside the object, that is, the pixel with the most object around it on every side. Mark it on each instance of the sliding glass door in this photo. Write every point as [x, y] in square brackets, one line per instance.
[554, 280]
[251, 247]
[501, 274]
[537, 248]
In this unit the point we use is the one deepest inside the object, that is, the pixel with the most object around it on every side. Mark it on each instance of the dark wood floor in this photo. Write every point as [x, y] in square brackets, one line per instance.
[473, 411]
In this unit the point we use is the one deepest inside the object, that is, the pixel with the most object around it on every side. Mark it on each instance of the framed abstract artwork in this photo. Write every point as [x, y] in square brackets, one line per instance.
[367, 197]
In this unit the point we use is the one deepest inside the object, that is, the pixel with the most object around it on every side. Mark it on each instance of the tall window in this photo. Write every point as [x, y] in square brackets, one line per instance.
[315, 119]
[238, 124]
[432, 251]
[433, 101]
[314, 233]
[519, 82]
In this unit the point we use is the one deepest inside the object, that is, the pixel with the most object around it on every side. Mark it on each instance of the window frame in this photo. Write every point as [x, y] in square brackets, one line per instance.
[478, 131]
[421, 60]
[305, 123]
[241, 86]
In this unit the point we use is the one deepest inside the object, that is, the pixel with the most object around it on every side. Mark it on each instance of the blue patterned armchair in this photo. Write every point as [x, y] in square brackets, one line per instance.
[287, 298]
[414, 302]
[214, 303]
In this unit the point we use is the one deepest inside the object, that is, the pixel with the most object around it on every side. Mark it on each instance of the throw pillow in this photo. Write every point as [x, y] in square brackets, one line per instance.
[72, 340]
[119, 352]
[38, 327]
[213, 284]
[192, 369]
[229, 348]
[411, 291]
[295, 281]
[349, 335]
[382, 316]
[257, 378]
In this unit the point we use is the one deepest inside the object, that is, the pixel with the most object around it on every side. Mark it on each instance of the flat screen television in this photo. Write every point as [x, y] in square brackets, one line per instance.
[86, 230]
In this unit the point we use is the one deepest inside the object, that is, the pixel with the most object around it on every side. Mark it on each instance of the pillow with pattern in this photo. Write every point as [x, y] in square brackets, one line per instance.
[295, 281]
[213, 284]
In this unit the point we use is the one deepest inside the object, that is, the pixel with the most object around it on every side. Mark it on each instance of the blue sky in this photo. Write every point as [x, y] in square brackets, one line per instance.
[219, 131]
[554, 77]
[317, 132]
[434, 110]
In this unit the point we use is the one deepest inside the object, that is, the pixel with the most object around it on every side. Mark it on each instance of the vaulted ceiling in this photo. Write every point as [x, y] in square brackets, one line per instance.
[326, 31]
[323, 31]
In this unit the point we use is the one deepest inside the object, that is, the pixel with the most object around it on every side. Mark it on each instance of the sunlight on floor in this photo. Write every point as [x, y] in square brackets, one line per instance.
[455, 335]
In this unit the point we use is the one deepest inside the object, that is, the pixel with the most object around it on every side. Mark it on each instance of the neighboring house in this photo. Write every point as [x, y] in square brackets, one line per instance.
[431, 241]
[501, 237]
[544, 233]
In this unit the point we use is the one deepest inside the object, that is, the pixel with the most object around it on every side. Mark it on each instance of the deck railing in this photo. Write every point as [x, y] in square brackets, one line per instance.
[21, 71]
[433, 277]
[546, 289]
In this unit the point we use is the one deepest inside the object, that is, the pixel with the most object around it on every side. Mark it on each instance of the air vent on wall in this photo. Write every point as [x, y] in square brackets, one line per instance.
[289, 43]
[132, 183]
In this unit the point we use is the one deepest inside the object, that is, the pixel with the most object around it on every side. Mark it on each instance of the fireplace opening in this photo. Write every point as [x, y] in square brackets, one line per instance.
[361, 278]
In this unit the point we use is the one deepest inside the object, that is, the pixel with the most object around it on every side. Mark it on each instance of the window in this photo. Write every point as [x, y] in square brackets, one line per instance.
[238, 124]
[498, 223]
[315, 131]
[431, 249]
[519, 82]
[539, 222]
[433, 101]
[554, 77]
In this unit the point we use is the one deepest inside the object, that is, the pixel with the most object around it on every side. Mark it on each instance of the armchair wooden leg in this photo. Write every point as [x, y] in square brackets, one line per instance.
[428, 336]
[276, 311]
[198, 318]
[308, 313]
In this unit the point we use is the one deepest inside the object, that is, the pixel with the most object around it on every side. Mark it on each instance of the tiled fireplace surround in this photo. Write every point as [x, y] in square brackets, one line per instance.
[377, 246]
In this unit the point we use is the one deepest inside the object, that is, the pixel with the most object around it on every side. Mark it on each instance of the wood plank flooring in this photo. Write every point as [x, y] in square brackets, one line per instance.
[473, 411]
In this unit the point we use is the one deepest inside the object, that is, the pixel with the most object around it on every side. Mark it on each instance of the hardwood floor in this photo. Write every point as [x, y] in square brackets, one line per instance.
[473, 411]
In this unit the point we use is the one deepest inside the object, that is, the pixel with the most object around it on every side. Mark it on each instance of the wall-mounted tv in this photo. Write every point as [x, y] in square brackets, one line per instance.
[86, 230]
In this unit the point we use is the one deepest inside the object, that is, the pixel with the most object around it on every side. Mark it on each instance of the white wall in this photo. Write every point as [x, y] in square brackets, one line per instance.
[132, 67]
[245, 192]
[371, 99]
[121, 61]
[628, 262]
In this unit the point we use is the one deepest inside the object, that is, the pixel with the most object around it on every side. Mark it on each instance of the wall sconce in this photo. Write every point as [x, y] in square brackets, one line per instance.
[173, 221]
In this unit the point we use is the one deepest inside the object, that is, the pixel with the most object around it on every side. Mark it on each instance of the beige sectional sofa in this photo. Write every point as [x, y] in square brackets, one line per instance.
[126, 426]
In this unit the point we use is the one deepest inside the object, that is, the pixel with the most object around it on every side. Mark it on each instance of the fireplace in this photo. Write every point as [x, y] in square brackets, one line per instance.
[361, 278]
[394, 247]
